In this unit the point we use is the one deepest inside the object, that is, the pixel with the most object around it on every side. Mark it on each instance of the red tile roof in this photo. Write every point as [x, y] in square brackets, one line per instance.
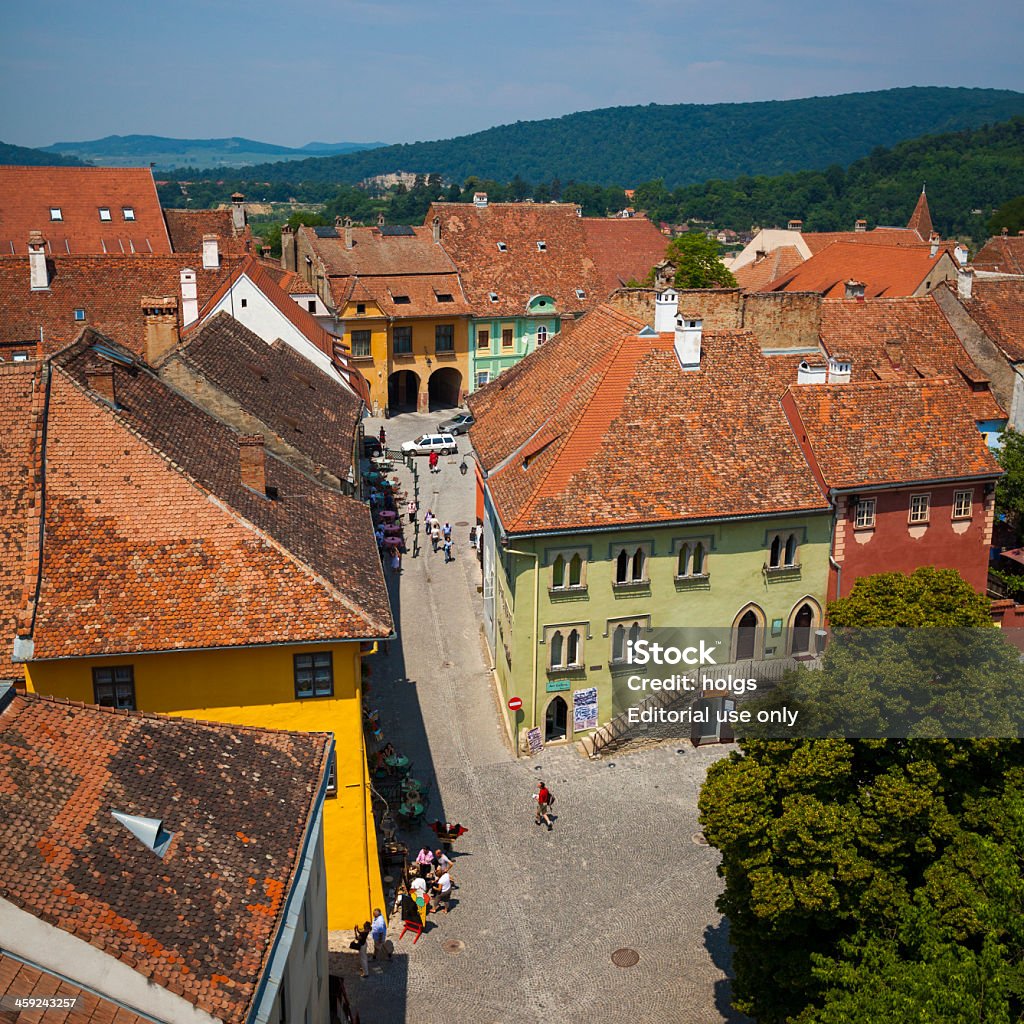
[754, 277]
[27, 195]
[905, 338]
[152, 542]
[818, 240]
[622, 249]
[374, 254]
[921, 219]
[592, 428]
[287, 280]
[21, 979]
[405, 295]
[21, 403]
[885, 271]
[1003, 254]
[891, 432]
[187, 227]
[107, 288]
[997, 307]
[200, 921]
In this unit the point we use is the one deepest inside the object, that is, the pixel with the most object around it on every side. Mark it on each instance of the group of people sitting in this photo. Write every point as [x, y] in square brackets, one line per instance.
[427, 885]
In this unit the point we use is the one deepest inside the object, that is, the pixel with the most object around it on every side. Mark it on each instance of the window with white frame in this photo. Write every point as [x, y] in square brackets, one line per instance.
[920, 505]
[56, 213]
[565, 647]
[128, 212]
[542, 334]
[105, 213]
[630, 565]
[623, 632]
[782, 551]
[962, 502]
[569, 571]
[692, 561]
[864, 514]
[542, 246]
[483, 377]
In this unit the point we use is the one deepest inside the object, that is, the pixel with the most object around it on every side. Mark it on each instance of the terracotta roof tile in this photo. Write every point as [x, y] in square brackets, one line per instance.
[622, 416]
[201, 920]
[622, 249]
[1003, 254]
[903, 339]
[405, 295]
[27, 195]
[187, 227]
[872, 434]
[374, 254]
[818, 240]
[885, 271]
[997, 307]
[754, 277]
[921, 219]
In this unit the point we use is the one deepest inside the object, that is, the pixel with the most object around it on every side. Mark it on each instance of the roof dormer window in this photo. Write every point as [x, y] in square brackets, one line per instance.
[401, 300]
[502, 247]
[493, 296]
[542, 247]
[79, 315]
[580, 293]
[128, 212]
[56, 213]
[444, 297]
[104, 213]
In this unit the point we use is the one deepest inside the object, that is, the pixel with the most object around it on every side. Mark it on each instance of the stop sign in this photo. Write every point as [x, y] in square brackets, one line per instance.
[515, 703]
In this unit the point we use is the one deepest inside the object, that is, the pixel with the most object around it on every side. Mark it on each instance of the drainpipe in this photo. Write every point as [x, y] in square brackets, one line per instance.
[536, 625]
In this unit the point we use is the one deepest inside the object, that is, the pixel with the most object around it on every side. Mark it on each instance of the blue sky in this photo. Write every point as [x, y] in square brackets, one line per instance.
[352, 70]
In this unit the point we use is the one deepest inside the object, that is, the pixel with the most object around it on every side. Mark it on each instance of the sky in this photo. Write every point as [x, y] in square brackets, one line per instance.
[408, 70]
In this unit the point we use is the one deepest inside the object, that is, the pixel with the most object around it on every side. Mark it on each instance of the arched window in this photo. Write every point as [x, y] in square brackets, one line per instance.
[634, 632]
[557, 649]
[791, 549]
[622, 567]
[542, 334]
[802, 623]
[697, 566]
[572, 648]
[683, 568]
[775, 554]
[575, 571]
[619, 643]
[638, 564]
[558, 573]
[746, 636]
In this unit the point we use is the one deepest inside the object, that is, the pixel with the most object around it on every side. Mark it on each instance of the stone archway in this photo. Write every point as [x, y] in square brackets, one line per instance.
[804, 619]
[444, 389]
[748, 634]
[403, 391]
[556, 720]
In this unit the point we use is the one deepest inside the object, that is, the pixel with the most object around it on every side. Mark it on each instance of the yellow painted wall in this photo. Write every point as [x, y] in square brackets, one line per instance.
[255, 686]
[424, 348]
[375, 370]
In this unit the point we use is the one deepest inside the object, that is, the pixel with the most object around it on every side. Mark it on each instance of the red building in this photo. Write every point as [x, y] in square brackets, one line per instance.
[908, 473]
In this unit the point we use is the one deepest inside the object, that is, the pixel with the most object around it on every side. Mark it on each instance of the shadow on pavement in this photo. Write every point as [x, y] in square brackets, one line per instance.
[716, 941]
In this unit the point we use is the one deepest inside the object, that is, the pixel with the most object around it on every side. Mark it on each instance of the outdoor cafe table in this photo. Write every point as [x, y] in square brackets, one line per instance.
[394, 530]
[412, 810]
[398, 761]
[388, 515]
[392, 542]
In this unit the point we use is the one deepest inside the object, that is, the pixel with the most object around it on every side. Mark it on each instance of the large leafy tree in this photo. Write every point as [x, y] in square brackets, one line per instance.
[697, 262]
[871, 880]
[1010, 489]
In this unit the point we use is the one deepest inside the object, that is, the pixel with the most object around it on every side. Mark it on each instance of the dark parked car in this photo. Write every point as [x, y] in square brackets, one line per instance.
[457, 424]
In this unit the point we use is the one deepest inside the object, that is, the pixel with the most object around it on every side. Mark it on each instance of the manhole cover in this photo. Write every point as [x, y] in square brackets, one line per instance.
[625, 957]
[453, 946]
[700, 839]
[462, 522]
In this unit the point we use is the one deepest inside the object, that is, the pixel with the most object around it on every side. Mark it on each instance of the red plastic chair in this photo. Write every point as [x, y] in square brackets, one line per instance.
[412, 926]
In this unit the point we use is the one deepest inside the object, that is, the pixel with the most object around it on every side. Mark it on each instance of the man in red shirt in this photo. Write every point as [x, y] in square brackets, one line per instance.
[544, 801]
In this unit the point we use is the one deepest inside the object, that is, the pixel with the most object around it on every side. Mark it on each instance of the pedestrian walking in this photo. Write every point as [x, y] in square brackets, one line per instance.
[435, 533]
[411, 510]
[396, 560]
[544, 801]
[359, 945]
[379, 931]
[448, 551]
[383, 438]
[433, 461]
[446, 531]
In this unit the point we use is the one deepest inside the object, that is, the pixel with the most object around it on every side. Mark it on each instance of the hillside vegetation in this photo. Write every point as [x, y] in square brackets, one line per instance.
[679, 143]
[23, 156]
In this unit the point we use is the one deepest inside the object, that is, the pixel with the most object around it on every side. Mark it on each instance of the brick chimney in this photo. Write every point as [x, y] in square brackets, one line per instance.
[100, 380]
[238, 217]
[161, 316]
[189, 297]
[860, 225]
[348, 232]
[253, 462]
[666, 306]
[211, 252]
[38, 272]
[688, 330]
[894, 350]
[965, 282]
[436, 224]
[854, 290]
[288, 256]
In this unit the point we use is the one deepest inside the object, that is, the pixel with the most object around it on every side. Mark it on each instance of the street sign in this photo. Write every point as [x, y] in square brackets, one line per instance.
[515, 703]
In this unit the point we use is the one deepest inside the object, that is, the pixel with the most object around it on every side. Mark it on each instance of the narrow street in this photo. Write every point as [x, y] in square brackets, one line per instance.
[537, 914]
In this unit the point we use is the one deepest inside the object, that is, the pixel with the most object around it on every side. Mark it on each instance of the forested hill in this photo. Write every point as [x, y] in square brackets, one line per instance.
[679, 143]
[21, 156]
[964, 171]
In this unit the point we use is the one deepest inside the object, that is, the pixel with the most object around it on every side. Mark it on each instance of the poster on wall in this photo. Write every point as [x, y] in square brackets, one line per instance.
[533, 741]
[584, 709]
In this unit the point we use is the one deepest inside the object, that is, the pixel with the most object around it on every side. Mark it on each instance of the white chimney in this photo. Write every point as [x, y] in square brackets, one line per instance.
[854, 290]
[38, 273]
[795, 225]
[437, 229]
[579, 211]
[238, 218]
[808, 374]
[211, 252]
[935, 240]
[860, 225]
[348, 232]
[480, 199]
[688, 329]
[189, 297]
[965, 282]
[666, 306]
[961, 254]
[839, 369]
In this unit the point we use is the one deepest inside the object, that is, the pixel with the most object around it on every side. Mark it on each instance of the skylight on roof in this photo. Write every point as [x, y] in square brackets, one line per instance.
[580, 293]
[56, 213]
[401, 300]
[542, 246]
[444, 297]
[502, 247]
[79, 315]
[128, 212]
[493, 296]
[104, 213]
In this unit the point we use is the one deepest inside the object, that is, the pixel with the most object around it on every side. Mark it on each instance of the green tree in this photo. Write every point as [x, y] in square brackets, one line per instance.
[1010, 488]
[697, 262]
[1010, 216]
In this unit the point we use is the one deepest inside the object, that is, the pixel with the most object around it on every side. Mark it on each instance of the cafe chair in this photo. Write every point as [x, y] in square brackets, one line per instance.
[411, 926]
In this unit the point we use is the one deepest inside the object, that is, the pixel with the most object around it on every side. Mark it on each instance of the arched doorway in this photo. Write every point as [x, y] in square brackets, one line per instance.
[403, 391]
[556, 720]
[803, 621]
[444, 388]
[748, 634]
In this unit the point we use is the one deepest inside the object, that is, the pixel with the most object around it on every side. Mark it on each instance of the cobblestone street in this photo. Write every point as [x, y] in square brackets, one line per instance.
[537, 914]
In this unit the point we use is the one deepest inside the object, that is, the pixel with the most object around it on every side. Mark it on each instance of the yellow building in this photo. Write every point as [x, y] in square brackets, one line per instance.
[185, 568]
[398, 299]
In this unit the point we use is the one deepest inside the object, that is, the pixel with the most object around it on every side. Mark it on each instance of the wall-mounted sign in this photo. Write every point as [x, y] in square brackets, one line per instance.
[584, 709]
[776, 627]
[554, 685]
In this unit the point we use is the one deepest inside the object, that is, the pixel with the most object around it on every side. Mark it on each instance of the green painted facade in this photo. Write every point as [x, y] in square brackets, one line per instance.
[735, 579]
[490, 352]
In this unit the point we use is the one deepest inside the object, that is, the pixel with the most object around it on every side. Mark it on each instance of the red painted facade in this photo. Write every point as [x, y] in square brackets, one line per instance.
[894, 544]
